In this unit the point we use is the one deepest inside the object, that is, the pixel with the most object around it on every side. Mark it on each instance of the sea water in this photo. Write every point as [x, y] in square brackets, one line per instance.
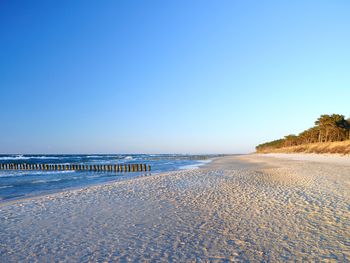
[21, 184]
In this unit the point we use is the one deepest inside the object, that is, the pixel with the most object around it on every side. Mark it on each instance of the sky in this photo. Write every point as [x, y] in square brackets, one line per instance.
[168, 76]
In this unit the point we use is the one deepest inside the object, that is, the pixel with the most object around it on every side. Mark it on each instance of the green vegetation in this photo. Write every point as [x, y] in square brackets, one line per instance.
[328, 128]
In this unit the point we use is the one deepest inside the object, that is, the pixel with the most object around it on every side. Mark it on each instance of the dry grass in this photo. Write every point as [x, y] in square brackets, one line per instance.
[326, 147]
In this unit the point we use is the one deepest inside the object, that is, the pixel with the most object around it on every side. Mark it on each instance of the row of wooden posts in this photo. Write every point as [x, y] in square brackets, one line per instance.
[119, 168]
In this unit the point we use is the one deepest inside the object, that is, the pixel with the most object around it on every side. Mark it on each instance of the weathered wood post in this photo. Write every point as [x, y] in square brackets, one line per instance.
[149, 167]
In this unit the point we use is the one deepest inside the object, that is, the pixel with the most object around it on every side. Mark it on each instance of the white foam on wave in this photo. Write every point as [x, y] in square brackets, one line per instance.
[128, 158]
[195, 165]
[17, 157]
[6, 186]
[22, 157]
[24, 173]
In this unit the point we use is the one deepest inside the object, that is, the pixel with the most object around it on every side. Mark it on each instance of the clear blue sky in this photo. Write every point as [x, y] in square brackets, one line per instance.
[168, 76]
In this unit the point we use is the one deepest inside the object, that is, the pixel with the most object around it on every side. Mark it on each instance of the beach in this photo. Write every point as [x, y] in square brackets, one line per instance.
[268, 208]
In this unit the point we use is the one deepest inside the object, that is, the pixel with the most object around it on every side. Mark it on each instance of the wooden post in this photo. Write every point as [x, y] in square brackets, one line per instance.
[149, 168]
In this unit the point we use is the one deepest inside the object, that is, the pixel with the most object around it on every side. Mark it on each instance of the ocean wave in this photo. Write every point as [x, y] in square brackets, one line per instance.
[16, 157]
[195, 165]
[26, 173]
[47, 157]
[41, 181]
[6, 186]
[22, 157]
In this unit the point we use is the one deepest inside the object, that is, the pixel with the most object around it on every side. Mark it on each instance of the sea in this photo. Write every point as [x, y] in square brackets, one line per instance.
[23, 184]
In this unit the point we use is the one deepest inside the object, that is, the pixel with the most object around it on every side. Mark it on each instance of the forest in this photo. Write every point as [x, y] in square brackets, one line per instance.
[327, 128]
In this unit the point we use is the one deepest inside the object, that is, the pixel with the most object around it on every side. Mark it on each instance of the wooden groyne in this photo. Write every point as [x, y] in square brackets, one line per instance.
[118, 168]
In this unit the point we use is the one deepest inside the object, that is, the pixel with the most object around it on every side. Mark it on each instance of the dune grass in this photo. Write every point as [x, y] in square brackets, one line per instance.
[325, 147]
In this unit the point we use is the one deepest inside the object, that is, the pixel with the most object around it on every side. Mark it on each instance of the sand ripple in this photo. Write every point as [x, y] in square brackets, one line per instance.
[297, 212]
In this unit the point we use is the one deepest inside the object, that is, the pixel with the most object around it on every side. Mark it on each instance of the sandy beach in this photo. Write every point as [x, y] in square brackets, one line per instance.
[268, 208]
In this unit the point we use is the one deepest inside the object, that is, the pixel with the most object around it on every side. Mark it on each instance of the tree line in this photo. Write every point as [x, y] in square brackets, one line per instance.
[327, 128]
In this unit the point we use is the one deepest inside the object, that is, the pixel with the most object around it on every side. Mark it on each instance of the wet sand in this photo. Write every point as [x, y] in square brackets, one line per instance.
[242, 208]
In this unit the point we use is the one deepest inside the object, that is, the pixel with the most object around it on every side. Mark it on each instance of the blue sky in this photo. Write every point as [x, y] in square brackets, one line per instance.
[168, 76]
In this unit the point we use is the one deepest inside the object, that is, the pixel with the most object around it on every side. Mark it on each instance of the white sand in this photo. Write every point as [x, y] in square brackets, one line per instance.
[279, 210]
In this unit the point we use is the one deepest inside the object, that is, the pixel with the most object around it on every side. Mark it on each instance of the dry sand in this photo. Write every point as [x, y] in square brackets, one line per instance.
[250, 208]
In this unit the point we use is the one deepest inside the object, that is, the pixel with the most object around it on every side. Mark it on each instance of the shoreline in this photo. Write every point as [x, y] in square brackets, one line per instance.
[242, 161]
[119, 179]
[236, 208]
